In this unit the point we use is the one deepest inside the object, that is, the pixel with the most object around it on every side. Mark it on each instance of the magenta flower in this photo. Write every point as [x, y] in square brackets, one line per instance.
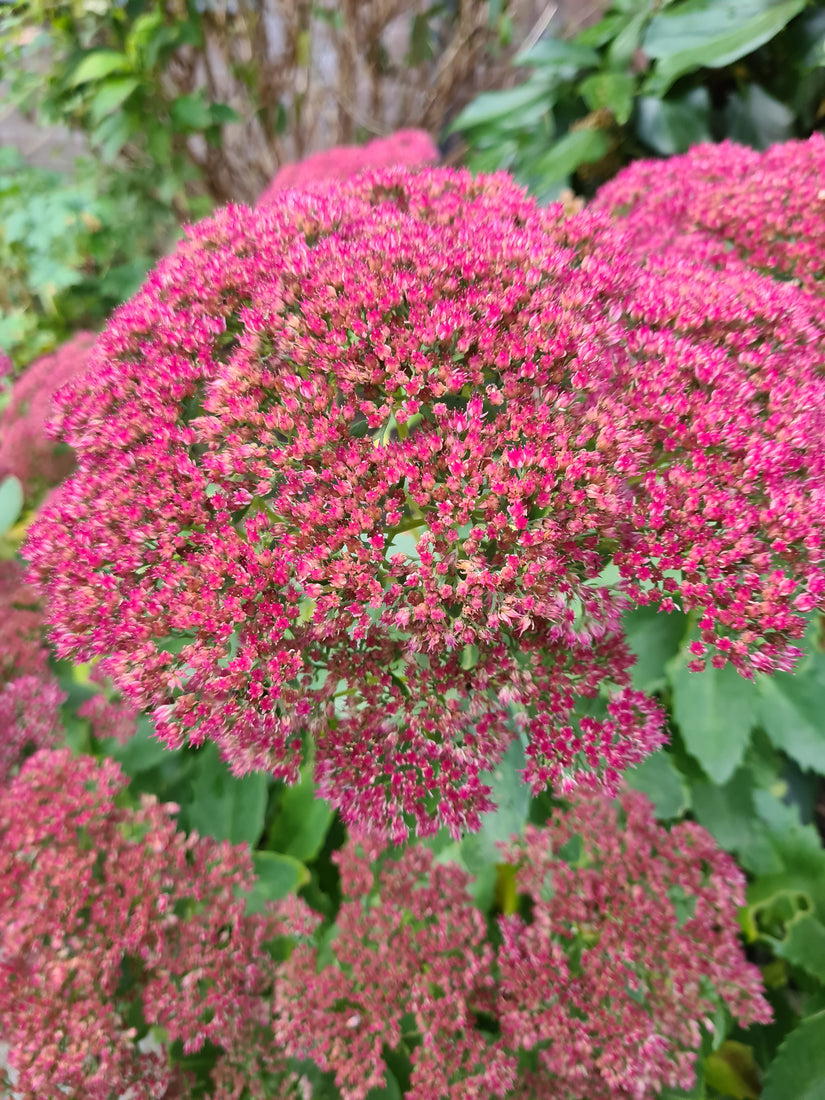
[628, 946]
[30, 696]
[109, 916]
[26, 449]
[351, 467]
[718, 196]
[405, 148]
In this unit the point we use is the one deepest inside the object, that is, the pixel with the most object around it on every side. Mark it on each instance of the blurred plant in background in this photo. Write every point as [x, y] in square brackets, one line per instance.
[652, 77]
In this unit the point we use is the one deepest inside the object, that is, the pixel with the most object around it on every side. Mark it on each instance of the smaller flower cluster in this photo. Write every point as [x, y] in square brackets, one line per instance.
[30, 697]
[600, 987]
[113, 923]
[26, 450]
[407, 148]
[770, 206]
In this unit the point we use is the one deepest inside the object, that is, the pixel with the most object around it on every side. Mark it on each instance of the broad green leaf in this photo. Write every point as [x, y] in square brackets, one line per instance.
[512, 797]
[661, 782]
[654, 638]
[190, 112]
[142, 751]
[732, 1071]
[728, 813]
[111, 95]
[755, 118]
[804, 945]
[613, 90]
[225, 807]
[222, 112]
[11, 503]
[715, 711]
[278, 875]
[565, 155]
[301, 822]
[624, 45]
[798, 1071]
[710, 34]
[390, 1091]
[792, 712]
[553, 53]
[96, 65]
[494, 106]
[671, 126]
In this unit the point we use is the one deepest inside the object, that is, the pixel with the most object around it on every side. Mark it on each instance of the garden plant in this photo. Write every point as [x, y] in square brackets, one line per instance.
[411, 671]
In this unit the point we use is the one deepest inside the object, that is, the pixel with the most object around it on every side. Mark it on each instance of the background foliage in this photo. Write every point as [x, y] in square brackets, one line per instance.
[652, 78]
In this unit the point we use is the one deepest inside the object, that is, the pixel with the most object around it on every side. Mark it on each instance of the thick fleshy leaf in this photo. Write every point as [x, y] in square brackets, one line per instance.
[565, 155]
[661, 782]
[715, 711]
[512, 797]
[225, 807]
[11, 503]
[798, 1071]
[278, 875]
[301, 822]
[793, 715]
[654, 638]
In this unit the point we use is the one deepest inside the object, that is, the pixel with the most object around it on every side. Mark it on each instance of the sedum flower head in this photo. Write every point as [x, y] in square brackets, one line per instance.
[404, 148]
[734, 198]
[26, 450]
[30, 697]
[351, 467]
[111, 923]
[627, 947]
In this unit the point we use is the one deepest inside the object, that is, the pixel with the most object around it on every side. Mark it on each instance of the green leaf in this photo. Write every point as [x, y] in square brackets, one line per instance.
[657, 777]
[96, 65]
[565, 156]
[710, 34]
[222, 112]
[755, 118]
[512, 797]
[302, 821]
[728, 813]
[553, 53]
[804, 945]
[654, 638]
[671, 126]
[11, 503]
[111, 95]
[278, 876]
[732, 1070]
[190, 112]
[715, 711]
[798, 1071]
[494, 106]
[613, 90]
[624, 45]
[389, 1091]
[142, 751]
[793, 715]
[223, 806]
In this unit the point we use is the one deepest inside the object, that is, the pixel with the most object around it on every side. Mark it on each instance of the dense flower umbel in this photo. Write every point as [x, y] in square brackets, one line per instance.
[353, 464]
[630, 945]
[603, 989]
[108, 916]
[735, 196]
[30, 696]
[405, 148]
[26, 451]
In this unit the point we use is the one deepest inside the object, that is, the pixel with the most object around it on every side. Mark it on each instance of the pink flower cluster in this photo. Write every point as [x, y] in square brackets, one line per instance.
[26, 450]
[30, 696]
[768, 206]
[404, 148]
[601, 989]
[111, 923]
[351, 466]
